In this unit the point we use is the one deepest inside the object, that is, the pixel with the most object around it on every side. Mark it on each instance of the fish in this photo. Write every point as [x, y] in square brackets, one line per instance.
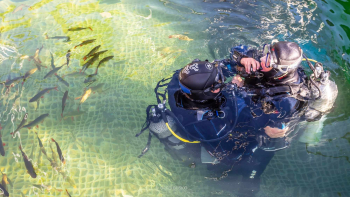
[41, 93]
[106, 59]
[147, 146]
[68, 193]
[22, 57]
[28, 73]
[90, 78]
[38, 65]
[42, 148]
[68, 57]
[88, 63]
[54, 156]
[53, 71]
[67, 38]
[8, 181]
[91, 52]
[6, 193]
[4, 181]
[98, 88]
[180, 37]
[73, 114]
[24, 120]
[64, 100]
[2, 150]
[20, 8]
[28, 164]
[161, 24]
[84, 97]
[62, 80]
[99, 53]
[59, 151]
[52, 61]
[36, 55]
[13, 81]
[79, 28]
[76, 74]
[36, 59]
[85, 43]
[36, 121]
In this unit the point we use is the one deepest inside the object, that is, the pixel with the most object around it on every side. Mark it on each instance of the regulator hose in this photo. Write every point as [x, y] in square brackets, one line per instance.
[198, 140]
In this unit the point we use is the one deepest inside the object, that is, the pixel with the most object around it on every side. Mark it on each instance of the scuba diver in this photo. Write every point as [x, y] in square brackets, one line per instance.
[237, 126]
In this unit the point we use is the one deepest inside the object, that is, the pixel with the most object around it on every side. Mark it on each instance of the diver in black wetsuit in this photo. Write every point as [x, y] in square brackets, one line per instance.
[238, 126]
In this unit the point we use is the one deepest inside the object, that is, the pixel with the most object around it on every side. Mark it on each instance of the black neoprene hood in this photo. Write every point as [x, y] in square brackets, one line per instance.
[286, 53]
[198, 75]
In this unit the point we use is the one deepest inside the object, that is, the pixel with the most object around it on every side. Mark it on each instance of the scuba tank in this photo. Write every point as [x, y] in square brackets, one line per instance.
[158, 127]
[323, 93]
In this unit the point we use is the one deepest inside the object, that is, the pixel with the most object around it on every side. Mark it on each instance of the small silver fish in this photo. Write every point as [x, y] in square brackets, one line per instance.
[36, 121]
[53, 71]
[64, 100]
[91, 52]
[66, 38]
[68, 57]
[62, 80]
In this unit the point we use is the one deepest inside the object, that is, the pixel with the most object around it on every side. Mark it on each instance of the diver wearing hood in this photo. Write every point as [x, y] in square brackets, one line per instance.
[201, 83]
[239, 125]
[202, 123]
[274, 76]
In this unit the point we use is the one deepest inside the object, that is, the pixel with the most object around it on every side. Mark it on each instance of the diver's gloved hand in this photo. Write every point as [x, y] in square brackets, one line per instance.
[238, 81]
[250, 64]
[274, 132]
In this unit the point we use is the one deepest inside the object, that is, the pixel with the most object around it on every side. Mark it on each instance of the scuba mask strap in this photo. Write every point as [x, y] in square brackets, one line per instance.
[184, 89]
[219, 80]
[220, 74]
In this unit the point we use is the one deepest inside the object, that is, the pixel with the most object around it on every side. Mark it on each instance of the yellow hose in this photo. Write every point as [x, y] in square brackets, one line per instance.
[178, 137]
[310, 60]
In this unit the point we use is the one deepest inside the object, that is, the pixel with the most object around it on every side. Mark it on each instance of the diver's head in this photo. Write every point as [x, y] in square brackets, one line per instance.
[280, 61]
[201, 80]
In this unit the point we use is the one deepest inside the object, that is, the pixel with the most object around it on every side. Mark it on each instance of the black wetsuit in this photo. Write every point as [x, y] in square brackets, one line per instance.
[249, 149]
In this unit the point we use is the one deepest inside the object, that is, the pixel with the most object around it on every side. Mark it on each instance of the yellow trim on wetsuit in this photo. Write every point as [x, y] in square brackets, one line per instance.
[310, 60]
[178, 137]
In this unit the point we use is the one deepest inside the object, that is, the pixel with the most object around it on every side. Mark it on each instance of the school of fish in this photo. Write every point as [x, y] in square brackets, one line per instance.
[57, 157]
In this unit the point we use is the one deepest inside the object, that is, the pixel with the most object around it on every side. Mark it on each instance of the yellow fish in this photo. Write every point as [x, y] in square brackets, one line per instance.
[84, 97]
[180, 37]
[24, 57]
[161, 24]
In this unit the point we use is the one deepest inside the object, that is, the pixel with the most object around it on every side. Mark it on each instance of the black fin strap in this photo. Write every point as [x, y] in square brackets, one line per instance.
[144, 151]
[147, 122]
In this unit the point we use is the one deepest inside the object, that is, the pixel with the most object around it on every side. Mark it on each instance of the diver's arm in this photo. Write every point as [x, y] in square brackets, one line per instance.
[271, 130]
[250, 63]
[273, 139]
[240, 56]
[274, 132]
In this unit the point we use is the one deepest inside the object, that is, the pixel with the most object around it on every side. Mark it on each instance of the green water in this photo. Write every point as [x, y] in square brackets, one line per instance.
[99, 145]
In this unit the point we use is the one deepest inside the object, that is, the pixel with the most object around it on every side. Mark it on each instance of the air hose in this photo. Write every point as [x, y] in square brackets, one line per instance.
[197, 140]
[313, 70]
